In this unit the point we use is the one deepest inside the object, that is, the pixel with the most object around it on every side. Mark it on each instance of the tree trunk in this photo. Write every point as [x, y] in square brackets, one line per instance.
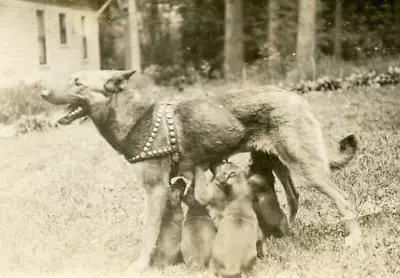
[273, 41]
[305, 52]
[132, 46]
[153, 29]
[338, 30]
[234, 40]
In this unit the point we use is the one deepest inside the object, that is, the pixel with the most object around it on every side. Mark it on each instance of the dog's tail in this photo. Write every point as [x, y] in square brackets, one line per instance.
[347, 150]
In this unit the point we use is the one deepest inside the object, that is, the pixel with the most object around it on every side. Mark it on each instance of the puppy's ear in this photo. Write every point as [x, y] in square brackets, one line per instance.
[118, 82]
[213, 167]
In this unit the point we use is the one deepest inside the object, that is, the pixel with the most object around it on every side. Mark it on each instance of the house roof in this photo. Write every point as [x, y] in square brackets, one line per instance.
[92, 4]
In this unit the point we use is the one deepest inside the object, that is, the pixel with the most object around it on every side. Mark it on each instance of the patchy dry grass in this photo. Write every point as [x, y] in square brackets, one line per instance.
[70, 207]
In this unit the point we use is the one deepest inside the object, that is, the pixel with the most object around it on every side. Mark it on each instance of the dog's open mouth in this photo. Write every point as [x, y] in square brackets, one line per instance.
[76, 111]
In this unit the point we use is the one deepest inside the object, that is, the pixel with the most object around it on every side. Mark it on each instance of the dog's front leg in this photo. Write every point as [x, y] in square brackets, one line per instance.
[156, 196]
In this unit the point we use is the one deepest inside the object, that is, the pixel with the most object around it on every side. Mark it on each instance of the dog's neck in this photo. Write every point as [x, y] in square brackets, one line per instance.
[124, 122]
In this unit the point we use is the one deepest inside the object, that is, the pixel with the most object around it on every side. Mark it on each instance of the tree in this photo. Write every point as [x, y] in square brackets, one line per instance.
[305, 52]
[153, 30]
[132, 47]
[234, 40]
[273, 41]
[337, 47]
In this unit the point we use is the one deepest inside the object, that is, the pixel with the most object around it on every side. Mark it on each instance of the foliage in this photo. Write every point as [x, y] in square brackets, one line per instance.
[370, 30]
[29, 123]
[172, 75]
[20, 100]
[369, 78]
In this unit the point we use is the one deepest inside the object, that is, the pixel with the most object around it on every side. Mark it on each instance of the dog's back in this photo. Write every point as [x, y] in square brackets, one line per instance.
[198, 233]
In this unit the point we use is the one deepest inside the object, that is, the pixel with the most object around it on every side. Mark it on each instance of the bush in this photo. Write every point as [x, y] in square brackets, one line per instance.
[172, 76]
[29, 123]
[21, 100]
[367, 78]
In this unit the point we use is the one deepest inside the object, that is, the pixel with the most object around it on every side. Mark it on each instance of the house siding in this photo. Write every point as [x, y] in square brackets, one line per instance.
[19, 45]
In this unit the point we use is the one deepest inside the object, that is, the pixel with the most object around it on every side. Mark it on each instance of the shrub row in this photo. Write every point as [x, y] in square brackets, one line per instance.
[370, 78]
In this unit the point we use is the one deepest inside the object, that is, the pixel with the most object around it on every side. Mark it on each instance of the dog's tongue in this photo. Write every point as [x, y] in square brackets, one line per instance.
[75, 112]
[65, 120]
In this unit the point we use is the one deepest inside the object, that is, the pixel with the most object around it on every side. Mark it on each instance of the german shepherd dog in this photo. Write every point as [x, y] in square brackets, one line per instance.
[198, 229]
[271, 218]
[168, 247]
[208, 129]
[238, 238]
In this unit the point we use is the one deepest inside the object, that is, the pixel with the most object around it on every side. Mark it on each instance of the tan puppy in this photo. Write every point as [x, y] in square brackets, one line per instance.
[198, 229]
[169, 241]
[236, 243]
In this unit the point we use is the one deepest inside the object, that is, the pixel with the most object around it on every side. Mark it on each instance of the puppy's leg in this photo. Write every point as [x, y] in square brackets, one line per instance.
[156, 196]
[292, 195]
[260, 244]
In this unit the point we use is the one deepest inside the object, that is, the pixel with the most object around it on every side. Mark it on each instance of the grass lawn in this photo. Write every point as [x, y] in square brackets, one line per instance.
[70, 206]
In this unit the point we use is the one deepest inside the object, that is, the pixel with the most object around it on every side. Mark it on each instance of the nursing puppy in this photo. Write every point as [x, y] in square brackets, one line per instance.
[238, 237]
[198, 229]
[271, 218]
[168, 248]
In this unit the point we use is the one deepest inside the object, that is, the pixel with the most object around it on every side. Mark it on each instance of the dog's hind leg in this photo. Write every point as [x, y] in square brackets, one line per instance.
[309, 159]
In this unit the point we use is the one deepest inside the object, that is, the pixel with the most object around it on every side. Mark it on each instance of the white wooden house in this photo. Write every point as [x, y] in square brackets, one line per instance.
[47, 39]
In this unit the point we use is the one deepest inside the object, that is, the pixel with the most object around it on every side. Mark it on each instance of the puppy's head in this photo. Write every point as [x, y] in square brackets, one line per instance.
[177, 191]
[86, 92]
[231, 179]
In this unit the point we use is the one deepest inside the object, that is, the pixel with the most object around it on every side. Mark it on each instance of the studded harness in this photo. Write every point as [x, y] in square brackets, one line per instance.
[165, 112]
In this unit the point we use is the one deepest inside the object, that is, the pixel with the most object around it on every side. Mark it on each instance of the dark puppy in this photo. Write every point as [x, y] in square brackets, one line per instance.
[238, 236]
[271, 218]
[198, 230]
[168, 248]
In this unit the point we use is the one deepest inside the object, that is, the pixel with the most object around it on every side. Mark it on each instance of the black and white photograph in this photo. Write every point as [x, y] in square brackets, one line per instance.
[199, 138]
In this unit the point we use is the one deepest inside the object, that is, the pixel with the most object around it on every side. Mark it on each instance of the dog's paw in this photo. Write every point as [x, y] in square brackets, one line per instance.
[137, 267]
[353, 241]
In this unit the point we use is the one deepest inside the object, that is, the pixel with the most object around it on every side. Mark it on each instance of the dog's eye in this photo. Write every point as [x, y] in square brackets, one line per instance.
[77, 82]
[231, 175]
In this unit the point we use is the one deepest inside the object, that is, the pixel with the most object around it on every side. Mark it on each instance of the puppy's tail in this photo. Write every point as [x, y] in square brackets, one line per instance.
[347, 150]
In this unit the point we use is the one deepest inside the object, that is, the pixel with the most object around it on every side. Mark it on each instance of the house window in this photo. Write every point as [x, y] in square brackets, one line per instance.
[41, 37]
[63, 29]
[84, 39]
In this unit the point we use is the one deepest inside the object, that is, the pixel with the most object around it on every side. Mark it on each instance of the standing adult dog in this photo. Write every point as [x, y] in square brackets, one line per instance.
[146, 132]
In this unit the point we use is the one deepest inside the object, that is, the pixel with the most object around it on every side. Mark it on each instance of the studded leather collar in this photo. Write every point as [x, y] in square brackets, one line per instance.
[164, 113]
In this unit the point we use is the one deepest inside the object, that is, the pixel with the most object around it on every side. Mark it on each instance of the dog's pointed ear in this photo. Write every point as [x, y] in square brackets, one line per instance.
[127, 74]
[118, 82]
